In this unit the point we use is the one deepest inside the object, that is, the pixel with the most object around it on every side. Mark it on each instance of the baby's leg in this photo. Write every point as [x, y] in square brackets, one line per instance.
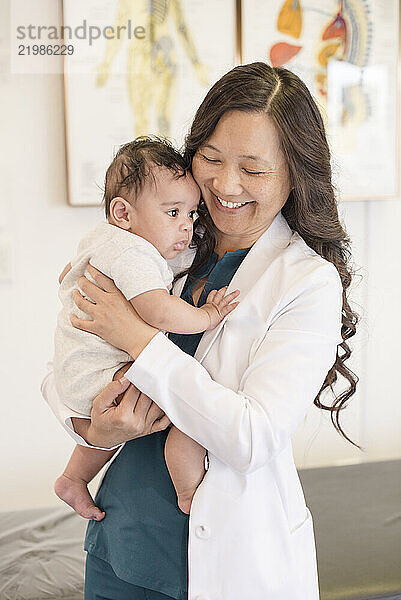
[84, 464]
[72, 485]
[185, 460]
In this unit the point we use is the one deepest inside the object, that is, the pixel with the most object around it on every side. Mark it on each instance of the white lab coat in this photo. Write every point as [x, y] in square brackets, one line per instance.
[256, 375]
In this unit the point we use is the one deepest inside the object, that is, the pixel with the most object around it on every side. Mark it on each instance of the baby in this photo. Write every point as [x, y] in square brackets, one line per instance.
[151, 203]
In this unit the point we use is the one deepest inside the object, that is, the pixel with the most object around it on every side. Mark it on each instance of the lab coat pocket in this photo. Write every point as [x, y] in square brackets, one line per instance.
[304, 556]
[308, 518]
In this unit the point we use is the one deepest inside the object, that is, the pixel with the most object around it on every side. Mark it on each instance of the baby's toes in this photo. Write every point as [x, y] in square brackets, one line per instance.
[93, 513]
[75, 494]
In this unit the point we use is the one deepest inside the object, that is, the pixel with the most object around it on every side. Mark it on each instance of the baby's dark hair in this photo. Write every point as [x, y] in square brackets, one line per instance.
[134, 162]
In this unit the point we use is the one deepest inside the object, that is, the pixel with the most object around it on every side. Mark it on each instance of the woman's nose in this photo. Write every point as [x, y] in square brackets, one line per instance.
[227, 183]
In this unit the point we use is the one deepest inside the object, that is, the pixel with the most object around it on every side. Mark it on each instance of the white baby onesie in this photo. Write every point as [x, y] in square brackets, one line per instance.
[84, 363]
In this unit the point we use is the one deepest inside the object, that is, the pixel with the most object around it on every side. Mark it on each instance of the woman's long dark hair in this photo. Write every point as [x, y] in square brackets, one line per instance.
[311, 208]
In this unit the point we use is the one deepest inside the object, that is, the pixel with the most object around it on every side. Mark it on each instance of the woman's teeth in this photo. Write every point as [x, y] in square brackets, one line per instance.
[230, 204]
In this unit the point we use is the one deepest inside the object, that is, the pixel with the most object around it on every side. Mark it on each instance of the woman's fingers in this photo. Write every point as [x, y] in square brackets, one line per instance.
[129, 416]
[91, 289]
[142, 407]
[154, 413]
[95, 291]
[140, 414]
[64, 272]
[114, 318]
[106, 398]
[133, 417]
[83, 303]
[82, 324]
[129, 400]
[87, 307]
[160, 424]
[102, 280]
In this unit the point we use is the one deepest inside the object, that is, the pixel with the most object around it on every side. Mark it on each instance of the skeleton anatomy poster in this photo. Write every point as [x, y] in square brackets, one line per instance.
[143, 67]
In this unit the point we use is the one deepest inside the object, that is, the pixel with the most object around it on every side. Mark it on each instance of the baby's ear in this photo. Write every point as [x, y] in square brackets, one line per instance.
[119, 212]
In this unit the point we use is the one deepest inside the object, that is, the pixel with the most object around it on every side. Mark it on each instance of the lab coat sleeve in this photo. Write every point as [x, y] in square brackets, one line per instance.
[247, 427]
[62, 413]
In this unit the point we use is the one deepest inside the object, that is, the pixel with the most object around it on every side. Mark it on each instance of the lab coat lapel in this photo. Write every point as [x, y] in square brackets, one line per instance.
[263, 252]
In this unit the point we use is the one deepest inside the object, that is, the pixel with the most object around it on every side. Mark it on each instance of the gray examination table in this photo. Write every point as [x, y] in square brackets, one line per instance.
[357, 517]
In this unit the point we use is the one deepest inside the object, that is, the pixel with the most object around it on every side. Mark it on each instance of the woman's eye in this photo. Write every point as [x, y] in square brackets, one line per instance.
[211, 160]
[193, 215]
[254, 172]
[173, 212]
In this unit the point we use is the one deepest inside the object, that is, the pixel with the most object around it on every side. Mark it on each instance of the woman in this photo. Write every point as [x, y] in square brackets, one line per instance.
[259, 154]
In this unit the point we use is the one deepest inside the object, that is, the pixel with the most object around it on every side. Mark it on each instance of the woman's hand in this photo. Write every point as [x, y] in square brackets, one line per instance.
[64, 272]
[113, 318]
[135, 416]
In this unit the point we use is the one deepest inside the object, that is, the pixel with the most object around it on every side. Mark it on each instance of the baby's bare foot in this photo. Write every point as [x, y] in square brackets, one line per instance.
[75, 493]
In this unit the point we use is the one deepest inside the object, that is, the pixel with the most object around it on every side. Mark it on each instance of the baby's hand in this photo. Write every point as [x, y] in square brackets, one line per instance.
[219, 306]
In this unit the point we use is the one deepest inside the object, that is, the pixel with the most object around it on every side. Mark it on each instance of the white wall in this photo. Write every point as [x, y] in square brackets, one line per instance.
[373, 418]
[43, 231]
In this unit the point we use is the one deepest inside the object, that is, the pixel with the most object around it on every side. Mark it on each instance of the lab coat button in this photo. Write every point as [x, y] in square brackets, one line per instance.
[202, 532]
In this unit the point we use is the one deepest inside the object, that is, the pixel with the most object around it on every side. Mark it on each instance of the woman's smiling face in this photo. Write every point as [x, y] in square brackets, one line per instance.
[243, 177]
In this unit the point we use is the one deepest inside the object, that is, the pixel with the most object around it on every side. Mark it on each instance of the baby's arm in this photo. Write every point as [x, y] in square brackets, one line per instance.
[173, 314]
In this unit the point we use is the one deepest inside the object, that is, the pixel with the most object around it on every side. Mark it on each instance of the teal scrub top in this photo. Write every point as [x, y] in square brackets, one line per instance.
[144, 536]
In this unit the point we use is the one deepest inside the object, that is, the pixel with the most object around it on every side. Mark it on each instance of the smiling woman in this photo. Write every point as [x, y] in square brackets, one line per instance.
[244, 181]
[280, 125]
[235, 395]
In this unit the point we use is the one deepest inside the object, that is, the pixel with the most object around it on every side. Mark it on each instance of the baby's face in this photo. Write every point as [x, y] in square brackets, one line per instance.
[165, 210]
